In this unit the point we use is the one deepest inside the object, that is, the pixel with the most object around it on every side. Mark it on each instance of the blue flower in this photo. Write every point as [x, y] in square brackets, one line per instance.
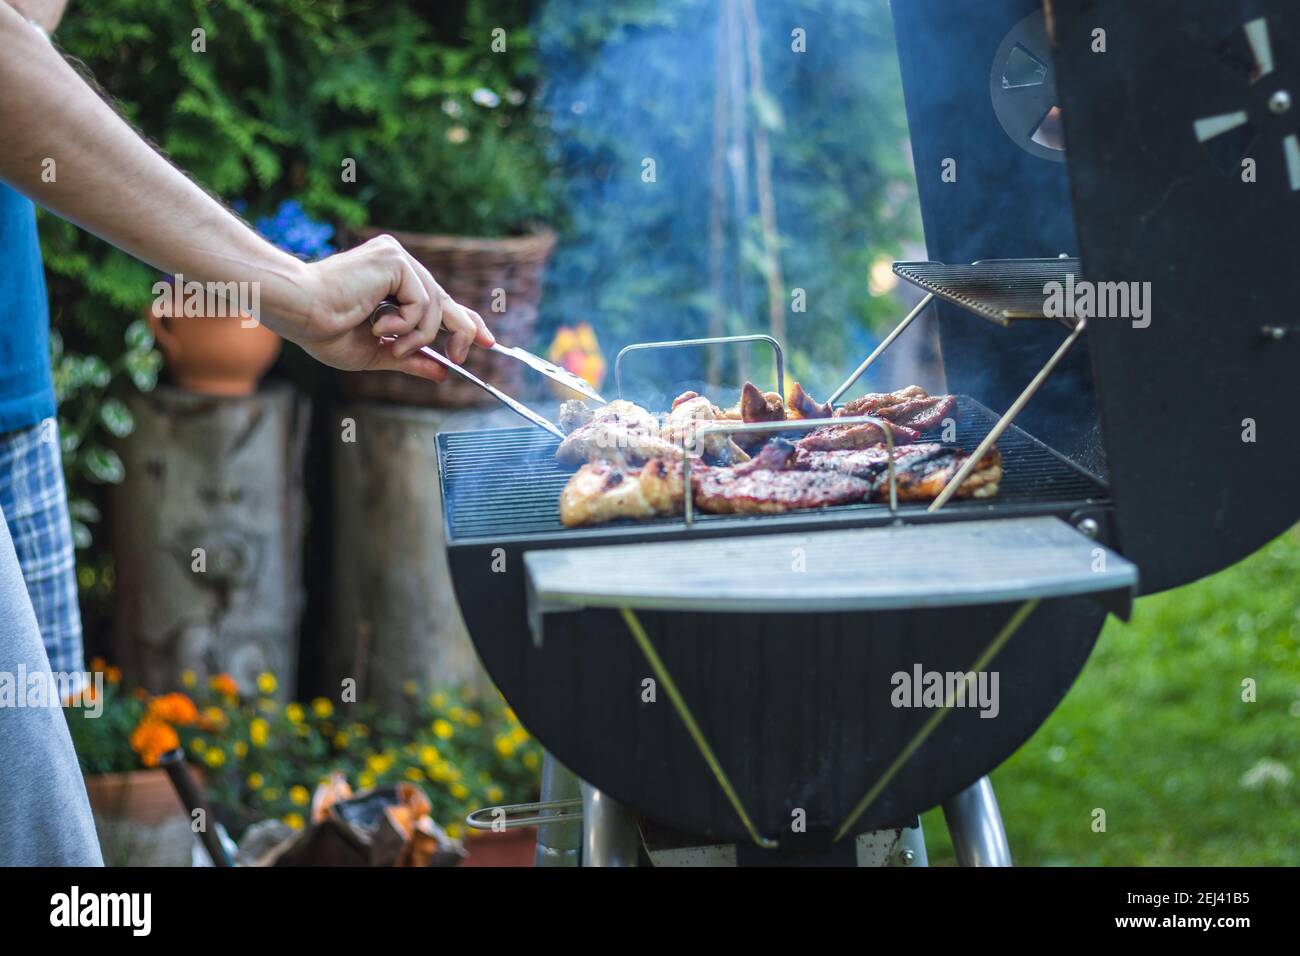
[295, 233]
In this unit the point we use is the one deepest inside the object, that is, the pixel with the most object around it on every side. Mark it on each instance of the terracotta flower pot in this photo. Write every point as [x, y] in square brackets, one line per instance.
[141, 796]
[214, 355]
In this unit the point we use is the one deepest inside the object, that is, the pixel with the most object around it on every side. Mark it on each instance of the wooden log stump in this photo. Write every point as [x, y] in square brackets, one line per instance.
[207, 536]
[395, 618]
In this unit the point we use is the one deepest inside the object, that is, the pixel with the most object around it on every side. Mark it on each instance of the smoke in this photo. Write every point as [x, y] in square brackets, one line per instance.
[727, 167]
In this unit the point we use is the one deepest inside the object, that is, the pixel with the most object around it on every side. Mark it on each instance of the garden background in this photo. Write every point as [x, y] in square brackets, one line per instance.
[450, 136]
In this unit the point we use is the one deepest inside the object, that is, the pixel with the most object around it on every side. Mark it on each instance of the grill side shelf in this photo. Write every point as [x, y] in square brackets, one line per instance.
[959, 564]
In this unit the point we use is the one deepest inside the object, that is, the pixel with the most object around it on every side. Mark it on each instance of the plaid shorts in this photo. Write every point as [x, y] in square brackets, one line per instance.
[35, 505]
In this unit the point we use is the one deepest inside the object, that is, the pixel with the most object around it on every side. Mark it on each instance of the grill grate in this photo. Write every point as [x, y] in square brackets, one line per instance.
[506, 482]
[1000, 290]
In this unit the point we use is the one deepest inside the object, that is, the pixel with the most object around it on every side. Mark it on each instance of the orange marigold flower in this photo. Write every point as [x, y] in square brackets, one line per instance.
[224, 684]
[113, 675]
[153, 738]
[174, 708]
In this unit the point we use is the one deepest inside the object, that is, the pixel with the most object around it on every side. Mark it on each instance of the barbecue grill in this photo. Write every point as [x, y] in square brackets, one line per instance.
[735, 680]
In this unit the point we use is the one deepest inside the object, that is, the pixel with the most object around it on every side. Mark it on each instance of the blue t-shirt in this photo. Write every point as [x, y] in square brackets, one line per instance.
[26, 388]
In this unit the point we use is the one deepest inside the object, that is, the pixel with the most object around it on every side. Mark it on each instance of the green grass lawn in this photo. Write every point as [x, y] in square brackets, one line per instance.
[1156, 733]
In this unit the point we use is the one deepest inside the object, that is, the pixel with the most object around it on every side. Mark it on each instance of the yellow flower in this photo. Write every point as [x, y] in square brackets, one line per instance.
[510, 716]
[366, 780]
[213, 718]
[241, 749]
[322, 707]
[189, 678]
[519, 736]
[265, 705]
[531, 760]
[379, 763]
[214, 757]
[505, 746]
[442, 729]
[198, 745]
[266, 683]
[359, 730]
[457, 714]
[459, 791]
[429, 755]
[113, 675]
[255, 781]
[438, 700]
[413, 773]
[299, 795]
[454, 830]
[341, 740]
[441, 772]
[293, 820]
[473, 718]
[494, 794]
[294, 713]
[258, 731]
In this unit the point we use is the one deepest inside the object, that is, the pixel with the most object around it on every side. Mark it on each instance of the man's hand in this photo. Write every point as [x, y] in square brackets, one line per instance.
[345, 289]
[47, 13]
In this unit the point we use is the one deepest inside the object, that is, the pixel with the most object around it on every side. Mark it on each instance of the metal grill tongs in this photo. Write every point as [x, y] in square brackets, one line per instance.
[390, 306]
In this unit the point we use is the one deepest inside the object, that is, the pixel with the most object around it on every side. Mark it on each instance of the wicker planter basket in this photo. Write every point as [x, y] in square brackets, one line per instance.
[471, 270]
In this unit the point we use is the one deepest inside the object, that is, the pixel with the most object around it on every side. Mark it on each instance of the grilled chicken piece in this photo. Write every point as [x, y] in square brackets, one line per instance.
[755, 406]
[603, 491]
[803, 405]
[921, 471]
[687, 416]
[764, 485]
[620, 432]
[864, 435]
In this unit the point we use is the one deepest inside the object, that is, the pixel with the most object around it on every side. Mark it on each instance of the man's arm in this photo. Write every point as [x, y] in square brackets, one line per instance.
[47, 13]
[69, 151]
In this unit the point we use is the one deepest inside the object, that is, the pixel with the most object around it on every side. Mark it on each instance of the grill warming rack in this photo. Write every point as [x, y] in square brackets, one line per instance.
[997, 289]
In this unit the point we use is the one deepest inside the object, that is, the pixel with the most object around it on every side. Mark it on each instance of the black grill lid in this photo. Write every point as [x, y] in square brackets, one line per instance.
[1155, 201]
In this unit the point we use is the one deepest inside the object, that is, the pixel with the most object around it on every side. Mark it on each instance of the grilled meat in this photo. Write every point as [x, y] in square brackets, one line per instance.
[620, 432]
[764, 485]
[873, 402]
[687, 416]
[603, 491]
[755, 406]
[863, 435]
[920, 414]
[803, 405]
[921, 471]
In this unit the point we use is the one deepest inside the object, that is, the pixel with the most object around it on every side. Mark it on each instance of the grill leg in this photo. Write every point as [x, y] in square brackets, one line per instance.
[610, 836]
[911, 848]
[975, 824]
[557, 843]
